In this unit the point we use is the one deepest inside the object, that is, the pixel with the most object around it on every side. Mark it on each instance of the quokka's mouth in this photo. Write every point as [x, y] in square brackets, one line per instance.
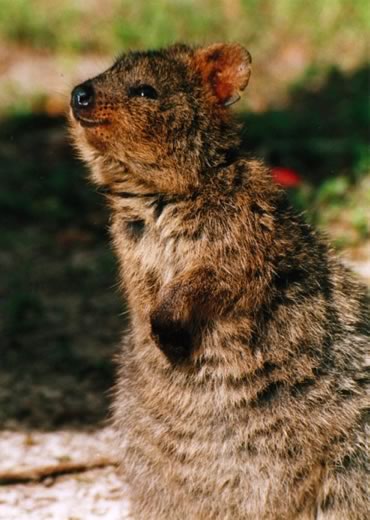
[89, 123]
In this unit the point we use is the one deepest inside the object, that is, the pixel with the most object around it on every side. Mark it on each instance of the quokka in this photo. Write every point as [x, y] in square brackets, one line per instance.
[241, 387]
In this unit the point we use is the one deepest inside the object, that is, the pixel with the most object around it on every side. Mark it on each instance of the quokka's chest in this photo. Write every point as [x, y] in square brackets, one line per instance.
[150, 248]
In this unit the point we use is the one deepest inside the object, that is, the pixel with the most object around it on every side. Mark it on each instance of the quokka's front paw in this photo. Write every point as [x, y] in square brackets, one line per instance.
[173, 337]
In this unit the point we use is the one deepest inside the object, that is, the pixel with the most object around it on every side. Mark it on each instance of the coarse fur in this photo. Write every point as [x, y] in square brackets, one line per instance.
[241, 388]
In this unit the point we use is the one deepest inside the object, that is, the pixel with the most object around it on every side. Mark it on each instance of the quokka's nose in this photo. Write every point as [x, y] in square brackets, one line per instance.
[82, 96]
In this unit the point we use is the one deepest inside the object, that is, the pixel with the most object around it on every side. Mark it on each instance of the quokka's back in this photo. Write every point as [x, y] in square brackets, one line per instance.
[241, 388]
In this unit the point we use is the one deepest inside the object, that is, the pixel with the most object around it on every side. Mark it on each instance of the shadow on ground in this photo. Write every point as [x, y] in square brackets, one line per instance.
[61, 312]
[324, 130]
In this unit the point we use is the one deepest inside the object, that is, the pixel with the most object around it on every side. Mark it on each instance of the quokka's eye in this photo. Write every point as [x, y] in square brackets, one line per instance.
[143, 91]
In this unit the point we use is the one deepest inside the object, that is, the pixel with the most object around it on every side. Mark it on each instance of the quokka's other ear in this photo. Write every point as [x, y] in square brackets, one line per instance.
[225, 69]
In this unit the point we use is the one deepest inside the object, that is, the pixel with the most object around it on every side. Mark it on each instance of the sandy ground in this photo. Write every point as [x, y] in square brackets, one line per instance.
[93, 495]
[80, 494]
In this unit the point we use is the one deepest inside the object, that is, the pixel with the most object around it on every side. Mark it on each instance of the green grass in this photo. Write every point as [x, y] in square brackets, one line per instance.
[322, 131]
[327, 29]
[339, 207]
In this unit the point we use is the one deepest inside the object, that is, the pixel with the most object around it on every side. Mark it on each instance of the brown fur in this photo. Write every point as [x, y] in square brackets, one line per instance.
[240, 392]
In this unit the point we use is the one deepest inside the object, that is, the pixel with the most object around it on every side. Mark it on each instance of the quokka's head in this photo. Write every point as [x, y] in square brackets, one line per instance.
[160, 119]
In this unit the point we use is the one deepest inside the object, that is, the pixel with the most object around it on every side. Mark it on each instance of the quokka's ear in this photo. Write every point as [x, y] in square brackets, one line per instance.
[225, 69]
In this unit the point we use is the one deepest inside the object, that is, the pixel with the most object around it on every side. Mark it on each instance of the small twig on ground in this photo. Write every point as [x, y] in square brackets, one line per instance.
[40, 473]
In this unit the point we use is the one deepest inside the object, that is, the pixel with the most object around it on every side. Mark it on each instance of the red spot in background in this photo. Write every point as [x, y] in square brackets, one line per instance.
[286, 177]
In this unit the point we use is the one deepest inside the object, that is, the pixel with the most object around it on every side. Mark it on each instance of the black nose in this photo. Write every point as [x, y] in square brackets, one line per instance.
[82, 96]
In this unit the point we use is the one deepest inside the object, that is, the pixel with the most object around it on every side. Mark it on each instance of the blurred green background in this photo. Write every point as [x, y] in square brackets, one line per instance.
[307, 109]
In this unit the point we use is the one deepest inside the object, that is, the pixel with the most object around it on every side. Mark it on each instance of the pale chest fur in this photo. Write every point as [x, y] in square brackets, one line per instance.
[149, 252]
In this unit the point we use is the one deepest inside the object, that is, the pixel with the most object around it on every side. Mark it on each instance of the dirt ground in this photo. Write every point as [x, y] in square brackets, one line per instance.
[68, 475]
